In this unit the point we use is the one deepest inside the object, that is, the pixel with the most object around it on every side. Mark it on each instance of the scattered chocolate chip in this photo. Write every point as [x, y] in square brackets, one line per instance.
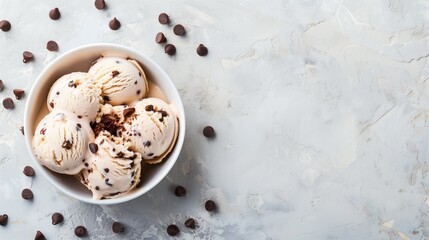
[57, 218]
[150, 154]
[173, 230]
[72, 84]
[163, 113]
[43, 131]
[208, 132]
[22, 130]
[106, 170]
[27, 194]
[210, 205]
[5, 25]
[97, 188]
[1, 85]
[128, 112]
[163, 18]
[3, 219]
[117, 227]
[80, 231]
[55, 14]
[180, 191]
[52, 104]
[78, 125]
[8, 103]
[86, 164]
[79, 116]
[100, 4]
[18, 93]
[52, 46]
[160, 38]
[202, 50]
[58, 93]
[179, 30]
[170, 49]
[28, 171]
[146, 144]
[114, 24]
[106, 98]
[67, 144]
[190, 223]
[138, 92]
[39, 236]
[93, 147]
[27, 56]
[148, 108]
[115, 73]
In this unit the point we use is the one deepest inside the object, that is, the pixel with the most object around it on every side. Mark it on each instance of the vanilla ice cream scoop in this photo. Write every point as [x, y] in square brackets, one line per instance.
[121, 81]
[77, 93]
[152, 129]
[115, 169]
[61, 142]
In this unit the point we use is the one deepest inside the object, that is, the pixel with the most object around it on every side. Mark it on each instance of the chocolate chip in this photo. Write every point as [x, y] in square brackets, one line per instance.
[67, 144]
[149, 108]
[128, 112]
[202, 50]
[180, 191]
[1, 85]
[163, 113]
[3, 219]
[79, 116]
[5, 25]
[163, 18]
[100, 4]
[27, 56]
[208, 132]
[190, 223]
[146, 144]
[22, 130]
[27, 194]
[52, 46]
[57, 218]
[138, 92]
[170, 49]
[160, 38]
[39, 236]
[120, 155]
[43, 131]
[114, 24]
[93, 147]
[80, 231]
[8, 103]
[173, 230]
[58, 93]
[55, 14]
[106, 170]
[28, 171]
[18, 93]
[72, 84]
[78, 125]
[97, 188]
[52, 104]
[179, 30]
[106, 98]
[210, 205]
[150, 154]
[115, 73]
[117, 227]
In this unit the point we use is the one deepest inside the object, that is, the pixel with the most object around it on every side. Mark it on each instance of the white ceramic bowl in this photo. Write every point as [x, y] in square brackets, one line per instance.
[80, 59]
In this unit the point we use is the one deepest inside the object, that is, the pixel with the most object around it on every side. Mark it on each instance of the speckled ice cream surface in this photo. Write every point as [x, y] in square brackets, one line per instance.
[320, 110]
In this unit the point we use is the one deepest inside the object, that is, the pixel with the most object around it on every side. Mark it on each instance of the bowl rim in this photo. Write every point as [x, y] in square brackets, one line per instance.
[173, 156]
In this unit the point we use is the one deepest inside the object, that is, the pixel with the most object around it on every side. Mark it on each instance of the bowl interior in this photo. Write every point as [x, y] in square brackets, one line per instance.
[80, 59]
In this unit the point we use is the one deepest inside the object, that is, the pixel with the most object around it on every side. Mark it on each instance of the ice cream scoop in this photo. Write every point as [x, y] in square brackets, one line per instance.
[61, 142]
[152, 129]
[77, 93]
[121, 81]
[115, 169]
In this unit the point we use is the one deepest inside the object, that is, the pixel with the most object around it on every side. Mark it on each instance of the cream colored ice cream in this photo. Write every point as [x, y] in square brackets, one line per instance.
[61, 142]
[77, 93]
[152, 129]
[121, 81]
[115, 169]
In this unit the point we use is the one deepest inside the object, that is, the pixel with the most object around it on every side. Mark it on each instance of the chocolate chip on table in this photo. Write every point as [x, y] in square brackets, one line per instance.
[55, 14]
[8, 103]
[210, 205]
[117, 227]
[52, 46]
[163, 18]
[27, 194]
[160, 38]
[128, 112]
[5, 25]
[19, 93]
[202, 50]
[93, 147]
[28, 171]
[173, 230]
[208, 132]
[190, 223]
[57, 218]
[3, 219]
[27, 56]
[114, 24]
[100, 4]
[80, 231]
[39, 236]
[179, 30]
[1, 85]
[170, 49]
[180, 191]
